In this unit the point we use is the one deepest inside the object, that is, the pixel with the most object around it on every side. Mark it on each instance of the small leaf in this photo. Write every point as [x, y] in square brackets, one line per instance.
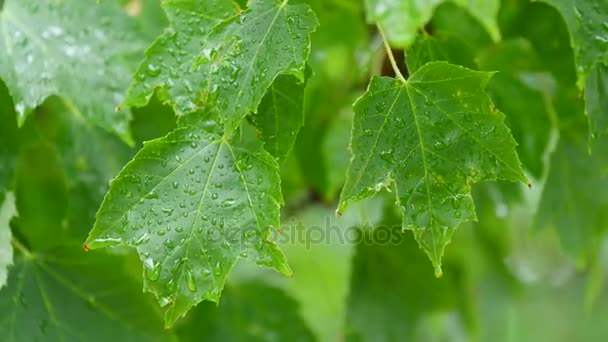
[280, 115]
[70, 48]
[428, 139]
[230, 59]
[192, 203]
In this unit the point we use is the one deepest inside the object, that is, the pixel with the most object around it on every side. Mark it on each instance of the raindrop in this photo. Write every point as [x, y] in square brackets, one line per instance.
[153, 70]
[169, 244]
[217, 270]
[190, 280]
[228, 202]
[152, 269]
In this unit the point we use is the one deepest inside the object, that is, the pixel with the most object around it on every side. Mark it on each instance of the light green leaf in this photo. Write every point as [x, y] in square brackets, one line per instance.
[229, 61]
[587, 22]
[401, 19]
[70, 296]
[70, 48]
[280, 115]
[249, 312]
[7, 211]
[192, 203]
[427, 139]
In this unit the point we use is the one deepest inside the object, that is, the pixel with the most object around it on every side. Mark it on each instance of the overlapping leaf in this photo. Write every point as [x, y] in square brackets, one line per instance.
[70, 48]
[588, 26]
[68, 296]
[7, 211]
[88, 156]
[280, 115]
[429, 138]
[192, 203]
[216, 55]
[521, 76]
[401, 19]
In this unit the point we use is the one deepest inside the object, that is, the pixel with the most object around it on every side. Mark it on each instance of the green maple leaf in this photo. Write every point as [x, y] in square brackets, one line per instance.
[401, 19]
[70, 48]
[7, 211]
[192, 203]
[588, 27]
[229, 61]
[47, 292]
[427, 139]
[280, 115]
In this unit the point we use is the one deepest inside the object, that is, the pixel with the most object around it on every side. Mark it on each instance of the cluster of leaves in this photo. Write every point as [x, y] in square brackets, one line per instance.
[180, 147]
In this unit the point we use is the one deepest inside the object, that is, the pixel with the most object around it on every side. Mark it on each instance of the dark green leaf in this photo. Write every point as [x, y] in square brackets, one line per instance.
[572, 201]
[442, 46]
[525, 93]
[89, 156]
[588, 28]
[249, 312]
[9, 140]
[68, 296]
[429, 138]
[393, 292]
[281, 115]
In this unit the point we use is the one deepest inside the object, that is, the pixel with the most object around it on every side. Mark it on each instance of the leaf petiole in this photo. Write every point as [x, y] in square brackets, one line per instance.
[389, 53]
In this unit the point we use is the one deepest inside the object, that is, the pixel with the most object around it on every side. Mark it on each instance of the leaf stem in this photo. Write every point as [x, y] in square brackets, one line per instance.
[21, 248]
[389, 53]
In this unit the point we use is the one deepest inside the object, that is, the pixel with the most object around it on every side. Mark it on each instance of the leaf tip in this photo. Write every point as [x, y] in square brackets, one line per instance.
[438, 271]
[85, 247]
